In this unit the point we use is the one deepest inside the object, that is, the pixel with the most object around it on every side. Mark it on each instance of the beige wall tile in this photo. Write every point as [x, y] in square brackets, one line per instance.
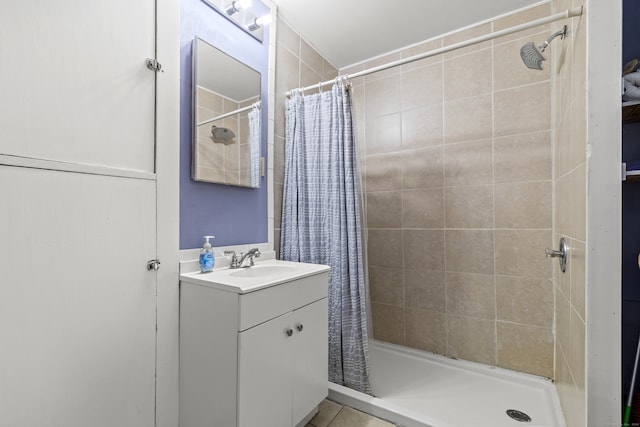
[386, 285]
[278, 190]
[563, 147]
[579, 203]
[422, 208]
[525, 348]
[578, 277]
[523, 205]
[578, 133]
[422, 168]
[562, 210]
[522, 17]
[469, 251]
[425, 289]
[312, 58]
[424, 249]
[288, 38]
[384, 134]
[468, 163]
[278, 159]
[422, 127]
[384, 172]
[510, 71]
[468, 119]
[329, 72]
[521, 253]
[384, 248]
[474, 69]
[522, 110]
[471, 295]
[418, 49]
[469, 33]
[384, 209]
[308, 77]
[383, 96]
[472, 339]
[388, 323]
[576, 351]
[469, 207]
[422, 87]
[525, 157]
[563, 322]
[384, 59]
[426, 330]
[525, 300]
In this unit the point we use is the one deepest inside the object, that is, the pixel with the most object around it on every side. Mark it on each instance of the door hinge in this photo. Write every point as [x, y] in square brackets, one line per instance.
[153, 265]
[154, 65]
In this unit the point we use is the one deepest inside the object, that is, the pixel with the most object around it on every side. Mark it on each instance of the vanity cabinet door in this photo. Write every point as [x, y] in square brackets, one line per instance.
[310, 358]
[265, 373]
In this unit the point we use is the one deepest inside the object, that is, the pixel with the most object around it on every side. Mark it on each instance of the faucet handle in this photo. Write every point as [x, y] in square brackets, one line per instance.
[234, 258]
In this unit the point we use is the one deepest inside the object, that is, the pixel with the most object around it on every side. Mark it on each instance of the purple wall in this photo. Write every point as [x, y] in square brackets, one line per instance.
[235, 215]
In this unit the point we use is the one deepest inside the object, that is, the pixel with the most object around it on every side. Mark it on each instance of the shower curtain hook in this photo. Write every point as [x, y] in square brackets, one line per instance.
[319, 87]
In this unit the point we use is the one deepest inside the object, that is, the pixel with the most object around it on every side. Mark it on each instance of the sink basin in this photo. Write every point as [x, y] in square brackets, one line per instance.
[262, 275]
[263, 271]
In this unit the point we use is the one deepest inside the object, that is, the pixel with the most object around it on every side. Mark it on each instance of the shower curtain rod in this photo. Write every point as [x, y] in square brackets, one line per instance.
[569, 13]
[231, 113]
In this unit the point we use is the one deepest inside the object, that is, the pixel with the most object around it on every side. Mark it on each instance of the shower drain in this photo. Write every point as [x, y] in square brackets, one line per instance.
[519, 416]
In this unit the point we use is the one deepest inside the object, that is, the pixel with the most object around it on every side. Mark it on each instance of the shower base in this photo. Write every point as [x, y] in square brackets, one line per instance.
[420, 389]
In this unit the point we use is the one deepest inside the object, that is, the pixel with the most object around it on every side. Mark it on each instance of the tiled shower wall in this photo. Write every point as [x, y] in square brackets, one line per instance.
[569, 124]
[457, 158]
[223, 162]
[297, 65]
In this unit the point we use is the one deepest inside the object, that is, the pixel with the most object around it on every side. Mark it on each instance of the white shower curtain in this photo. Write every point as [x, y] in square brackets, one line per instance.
[255, 135]
[321, 220]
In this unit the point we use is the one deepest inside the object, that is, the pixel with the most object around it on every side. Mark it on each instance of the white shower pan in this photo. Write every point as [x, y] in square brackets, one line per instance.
[414, 388]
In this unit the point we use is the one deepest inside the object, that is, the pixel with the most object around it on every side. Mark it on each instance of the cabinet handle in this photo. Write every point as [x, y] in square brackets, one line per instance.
[300, 327]
[289, 332]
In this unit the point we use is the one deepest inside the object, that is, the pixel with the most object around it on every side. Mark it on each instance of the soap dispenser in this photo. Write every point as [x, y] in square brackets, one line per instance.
[207, 258]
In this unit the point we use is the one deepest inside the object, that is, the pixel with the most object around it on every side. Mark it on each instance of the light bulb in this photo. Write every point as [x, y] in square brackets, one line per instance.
[237, 6]
[259, 22]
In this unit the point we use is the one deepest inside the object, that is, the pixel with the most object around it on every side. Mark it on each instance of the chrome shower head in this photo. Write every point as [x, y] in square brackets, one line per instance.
[222, 135]
[532, 55]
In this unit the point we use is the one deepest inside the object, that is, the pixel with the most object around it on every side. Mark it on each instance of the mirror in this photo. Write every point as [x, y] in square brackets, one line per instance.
[227, 131]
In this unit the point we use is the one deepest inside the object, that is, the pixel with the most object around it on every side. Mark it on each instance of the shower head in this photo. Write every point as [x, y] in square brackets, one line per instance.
[222, 135]
[532, 55]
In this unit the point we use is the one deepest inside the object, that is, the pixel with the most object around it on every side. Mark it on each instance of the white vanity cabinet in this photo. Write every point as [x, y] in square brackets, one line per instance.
[255, 353]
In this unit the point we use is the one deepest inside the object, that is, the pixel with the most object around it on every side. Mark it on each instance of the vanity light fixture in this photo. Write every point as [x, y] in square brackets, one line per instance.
[237, 6]
[259, 22]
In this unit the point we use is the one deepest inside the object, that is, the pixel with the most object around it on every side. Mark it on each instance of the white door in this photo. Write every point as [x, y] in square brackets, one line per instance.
[310, 360]
[265, 373]
[77, 305]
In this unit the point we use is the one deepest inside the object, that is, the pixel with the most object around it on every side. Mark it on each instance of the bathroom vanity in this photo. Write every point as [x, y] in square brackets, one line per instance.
[253, 345]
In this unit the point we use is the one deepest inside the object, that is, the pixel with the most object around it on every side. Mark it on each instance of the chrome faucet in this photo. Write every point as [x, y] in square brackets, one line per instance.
[240, 263]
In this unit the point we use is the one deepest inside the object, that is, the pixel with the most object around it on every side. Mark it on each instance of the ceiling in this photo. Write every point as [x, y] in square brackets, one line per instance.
[349, 31]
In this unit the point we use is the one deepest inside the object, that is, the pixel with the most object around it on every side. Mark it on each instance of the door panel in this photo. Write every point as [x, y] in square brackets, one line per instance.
[78, 305]
[265, 373]
[74, 83]
[311, 363]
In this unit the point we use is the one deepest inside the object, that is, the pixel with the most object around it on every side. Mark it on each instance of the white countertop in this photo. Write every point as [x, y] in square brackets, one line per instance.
[262, 275]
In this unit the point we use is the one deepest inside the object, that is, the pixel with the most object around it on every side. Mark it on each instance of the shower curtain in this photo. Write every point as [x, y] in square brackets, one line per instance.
[255, 135]
[321, 220]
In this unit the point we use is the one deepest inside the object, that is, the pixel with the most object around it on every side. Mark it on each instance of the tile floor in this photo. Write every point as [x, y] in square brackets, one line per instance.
[332, 414]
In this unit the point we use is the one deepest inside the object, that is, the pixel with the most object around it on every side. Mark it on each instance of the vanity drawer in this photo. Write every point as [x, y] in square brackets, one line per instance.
[265, 304]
